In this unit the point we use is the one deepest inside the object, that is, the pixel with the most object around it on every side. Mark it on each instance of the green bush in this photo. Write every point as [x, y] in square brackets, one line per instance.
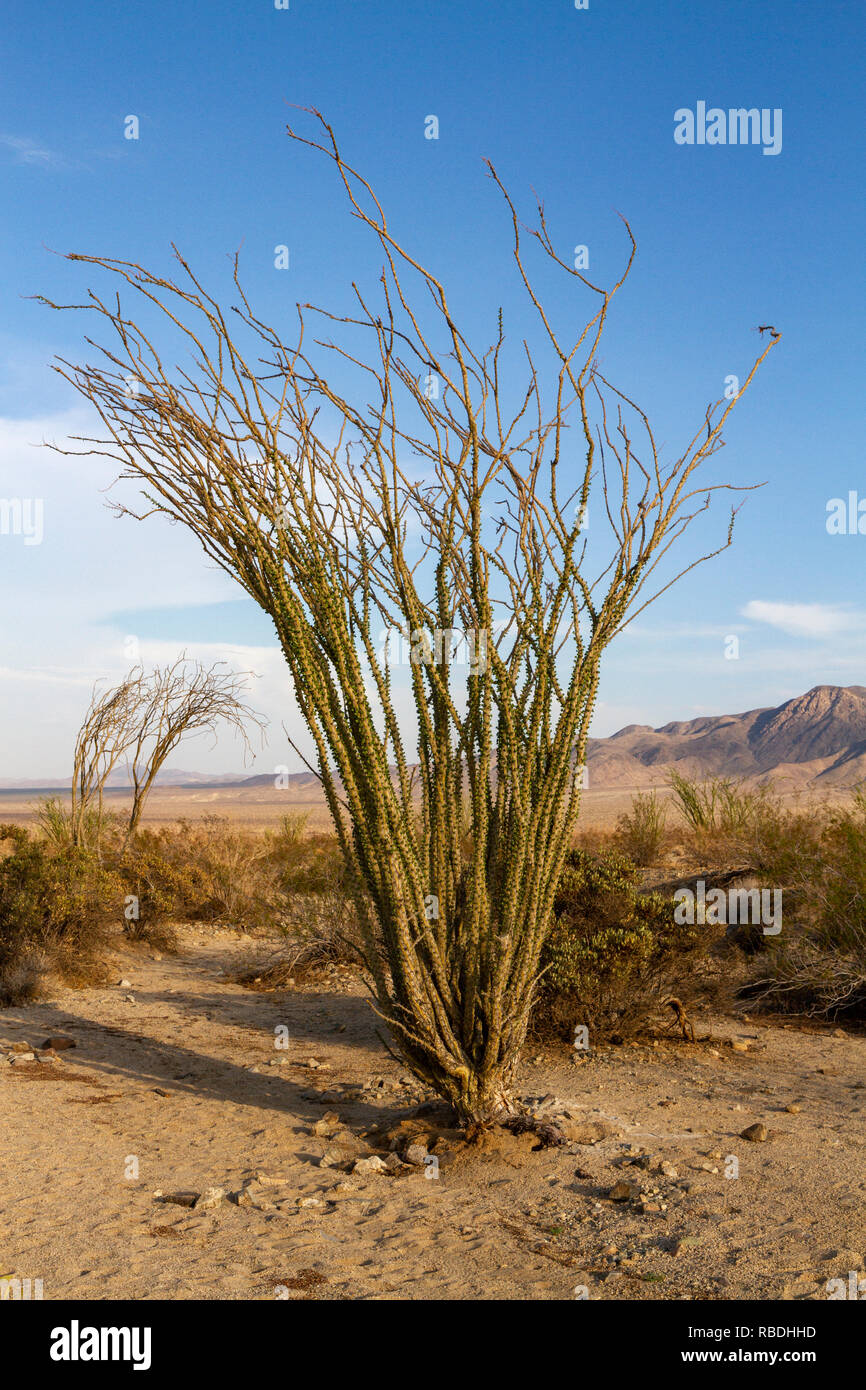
[615, 955]
[55, 910]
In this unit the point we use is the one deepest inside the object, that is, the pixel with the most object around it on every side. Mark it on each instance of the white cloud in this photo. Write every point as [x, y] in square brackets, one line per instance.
[28, 151]
[803, 619]
[46, 676]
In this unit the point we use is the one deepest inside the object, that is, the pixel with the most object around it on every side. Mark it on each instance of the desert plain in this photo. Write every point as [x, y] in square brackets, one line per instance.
[195, 1134]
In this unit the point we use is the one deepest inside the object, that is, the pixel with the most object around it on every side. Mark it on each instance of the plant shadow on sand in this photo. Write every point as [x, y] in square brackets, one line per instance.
[234, 1022]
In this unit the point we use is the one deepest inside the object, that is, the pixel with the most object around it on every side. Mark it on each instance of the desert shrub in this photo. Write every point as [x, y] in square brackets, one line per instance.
[785, 846]
[205, 871]
[161, 871]
[55, 821]
[320, 931]
[213, 870]
[322, 928]
[305, 863]
[640, 832]
[231, 871]
[55, 911]
[163, 886]
[91, 827]
[596, 840]
[842, 922]
[290, 837]
[723, 818]
[818, 963]
[22, 975]
[12, 837]
[720, 804]
[615, 955]
[312, 907]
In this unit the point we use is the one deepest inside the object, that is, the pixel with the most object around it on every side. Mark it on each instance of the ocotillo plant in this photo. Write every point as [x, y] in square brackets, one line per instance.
[184, 697]
[398, 479]
[100, 745]
[138, 724]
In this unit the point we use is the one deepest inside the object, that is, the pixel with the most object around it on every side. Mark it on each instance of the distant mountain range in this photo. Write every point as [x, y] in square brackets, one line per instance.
[168, 777]
[817, 739]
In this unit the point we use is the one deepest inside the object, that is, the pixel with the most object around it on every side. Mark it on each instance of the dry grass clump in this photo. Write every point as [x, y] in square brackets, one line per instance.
[202, 871]
[322, 929]
[320, 932]
[641, 833]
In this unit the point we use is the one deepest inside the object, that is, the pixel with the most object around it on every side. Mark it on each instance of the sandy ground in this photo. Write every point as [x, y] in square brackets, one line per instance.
[255, 808]
[261, 808]
[175, 1085]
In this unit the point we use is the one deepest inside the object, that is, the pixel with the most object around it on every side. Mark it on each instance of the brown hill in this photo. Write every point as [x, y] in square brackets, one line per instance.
[815, 739]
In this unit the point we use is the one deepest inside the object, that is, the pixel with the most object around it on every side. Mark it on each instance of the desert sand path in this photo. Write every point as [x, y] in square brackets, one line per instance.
[176, 1086]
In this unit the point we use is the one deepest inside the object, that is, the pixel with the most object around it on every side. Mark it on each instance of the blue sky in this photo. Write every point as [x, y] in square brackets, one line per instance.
[576, 104]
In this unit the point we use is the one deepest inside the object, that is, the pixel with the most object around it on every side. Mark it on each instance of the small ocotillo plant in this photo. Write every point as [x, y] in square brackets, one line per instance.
[181, 698]
[106, 732]
[137, 725]
[399, 479]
